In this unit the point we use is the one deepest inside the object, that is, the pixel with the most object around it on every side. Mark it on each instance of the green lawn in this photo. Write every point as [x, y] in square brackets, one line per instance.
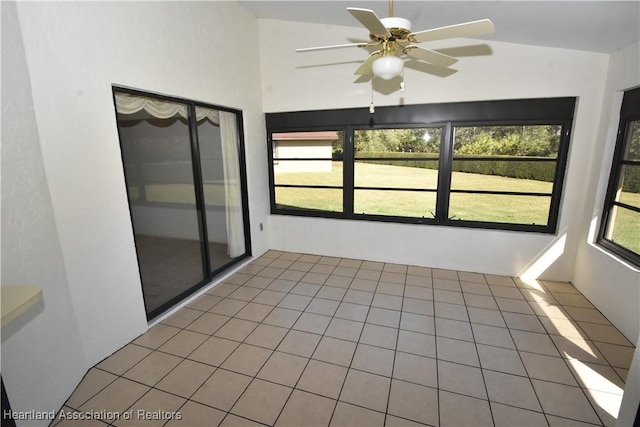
[509, 209]
[476, 207]
[627, 227]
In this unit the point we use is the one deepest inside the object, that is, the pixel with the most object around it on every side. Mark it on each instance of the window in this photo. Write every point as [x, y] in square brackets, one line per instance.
[504, 174]
[307, 170]
[620, 227]
[493, 164]
[396, 171]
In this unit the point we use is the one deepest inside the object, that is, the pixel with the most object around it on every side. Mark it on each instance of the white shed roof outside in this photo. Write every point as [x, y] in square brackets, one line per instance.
[309, 136]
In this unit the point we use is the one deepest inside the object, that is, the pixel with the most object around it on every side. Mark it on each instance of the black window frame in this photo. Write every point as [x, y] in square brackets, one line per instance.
[629, 112]
[538, 111]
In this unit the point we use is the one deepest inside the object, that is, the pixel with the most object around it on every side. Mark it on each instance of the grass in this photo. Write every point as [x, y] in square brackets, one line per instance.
[627, 227]
[495, 208]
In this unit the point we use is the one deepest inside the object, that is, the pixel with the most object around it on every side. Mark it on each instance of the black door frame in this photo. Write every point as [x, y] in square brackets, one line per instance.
[208, 274]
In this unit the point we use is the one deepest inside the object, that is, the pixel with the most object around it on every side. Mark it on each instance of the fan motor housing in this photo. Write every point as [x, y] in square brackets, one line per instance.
[399, 28]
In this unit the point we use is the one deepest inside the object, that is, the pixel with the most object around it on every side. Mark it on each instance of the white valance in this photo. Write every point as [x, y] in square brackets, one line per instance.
[131, 104]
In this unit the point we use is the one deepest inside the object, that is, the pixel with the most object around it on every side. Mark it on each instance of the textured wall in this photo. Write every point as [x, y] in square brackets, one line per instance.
[611, 284]
[43, 343]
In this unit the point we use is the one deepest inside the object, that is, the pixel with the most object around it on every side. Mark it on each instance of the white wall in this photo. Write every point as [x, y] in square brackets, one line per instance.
[44, 341]
[180, 222]
[179, 49]
[610, 283]
[324, 79]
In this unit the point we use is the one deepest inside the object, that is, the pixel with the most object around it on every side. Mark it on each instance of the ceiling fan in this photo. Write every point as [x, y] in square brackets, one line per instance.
[394, 37]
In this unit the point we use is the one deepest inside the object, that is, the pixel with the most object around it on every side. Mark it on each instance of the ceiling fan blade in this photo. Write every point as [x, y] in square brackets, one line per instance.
[365, 68]
[430, 56]
[466, 29]
[370, 20]
[335, 46]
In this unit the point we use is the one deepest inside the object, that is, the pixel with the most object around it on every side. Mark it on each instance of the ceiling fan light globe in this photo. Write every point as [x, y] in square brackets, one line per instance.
[387, 67]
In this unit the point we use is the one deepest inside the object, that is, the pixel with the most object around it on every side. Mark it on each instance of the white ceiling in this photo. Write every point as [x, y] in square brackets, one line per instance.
[597, 26]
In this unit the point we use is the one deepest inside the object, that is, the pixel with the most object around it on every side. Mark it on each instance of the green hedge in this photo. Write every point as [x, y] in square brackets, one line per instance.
[422, 163]
[536, 170]
[632, 179]
[539, 171]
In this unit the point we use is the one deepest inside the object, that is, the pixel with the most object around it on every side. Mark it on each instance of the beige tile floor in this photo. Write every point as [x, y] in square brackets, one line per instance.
[304, 340]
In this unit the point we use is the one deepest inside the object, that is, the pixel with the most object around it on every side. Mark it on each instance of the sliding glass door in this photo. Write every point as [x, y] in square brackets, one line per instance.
[184, 171]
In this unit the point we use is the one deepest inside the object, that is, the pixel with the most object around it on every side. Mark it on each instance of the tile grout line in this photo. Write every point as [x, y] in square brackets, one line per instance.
[475, 344]
[293, 389]
[395, 353]
[524, 366]
[352, 356]
[435, 339]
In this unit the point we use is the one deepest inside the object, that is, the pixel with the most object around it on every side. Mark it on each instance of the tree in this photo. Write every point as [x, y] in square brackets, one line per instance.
[412, 140]
[538, 141]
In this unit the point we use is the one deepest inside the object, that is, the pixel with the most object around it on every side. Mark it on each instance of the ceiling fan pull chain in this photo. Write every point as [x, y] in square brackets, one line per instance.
[402, 81]
[372, 108]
